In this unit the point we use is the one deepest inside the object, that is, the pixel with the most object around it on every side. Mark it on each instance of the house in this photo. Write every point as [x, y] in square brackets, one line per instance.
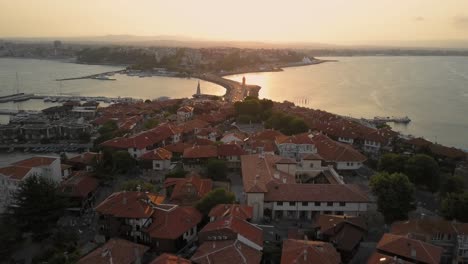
[342, 156]
[229, 240]
[296, 146]
[237, 138]
[170, 259]
[208, 133]
[232, 154]
[262, 142]
[85, 161]
[240, 211]
[116, 251]
[407, 249]
[172, 227]
[126, 214]
[451, 236]
[156, 159]
[11, 176]
[197, 156]
[80, 188]
[344, 232]
[308, 252]
[187, 190]
[177, 149]
[184, 113]
[271, 188]
[191, 128]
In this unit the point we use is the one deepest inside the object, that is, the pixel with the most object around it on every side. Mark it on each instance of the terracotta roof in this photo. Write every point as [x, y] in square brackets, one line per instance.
[170, 259]
[188, 189]
[327, 222]
[308, 252]
[378, 258]
[313, 156]
[238, 226]
[346, 231]
[86, 158]
[418, 142]
[267, 134]
[80, 184]
[185, 109]
[116, 251]
[226, 150]
[241, 211]
[226, 252]
[35, 162]
[205, 151]
[201, 142]
[427, 227]
[316, 193]
[15, 172]
[239, 136]
[157, 154]
[409, 248]
[300, 139]
[178, 147]
[334, 151]
[129, 204]
[173, 222]
[259, 170]
[191, 125]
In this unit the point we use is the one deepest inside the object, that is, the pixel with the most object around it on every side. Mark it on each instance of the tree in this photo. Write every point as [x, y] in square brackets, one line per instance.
[216, 169]
[151, 123]
[132, 185]
[10, 236]
[455, 206]
[122, 162]
[177, 173]
[423, 170]
[108, 127]
[213, 198]
[394, 195]
[38, 205]
[452, 184]
[392, 163]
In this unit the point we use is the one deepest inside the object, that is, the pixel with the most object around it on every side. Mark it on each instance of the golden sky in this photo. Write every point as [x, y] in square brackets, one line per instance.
[324, 21]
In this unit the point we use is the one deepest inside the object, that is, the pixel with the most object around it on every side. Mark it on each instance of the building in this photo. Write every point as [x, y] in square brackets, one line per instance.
[308, 252]
[11, 176]
[116, 251]
[240, 211]
[344, 232]
[236, 138]
[197, 156]
[85, 161]
[271, 188]
[231, 153]
[296, 146]
[156, 159]
[170, 259]
[187, 190]
[407, 249]
[80, 189]
[184, 113]
[172, 227]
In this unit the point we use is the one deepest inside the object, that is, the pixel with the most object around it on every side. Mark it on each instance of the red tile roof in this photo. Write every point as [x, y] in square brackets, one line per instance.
[346, 231]
[87, 158]
[427, 227]
[116, 251]
[170, 259]
[334, 151]
[20, 169]
[409, 248]
[316, 193]
[378, 258]
[35, 162]
[226, 252]
[178, 147]
[173, 222]
[308, 252]
[206, 151]
[185, 109]
[189, 189]
[327, 222]
[226, 150]
[15, 172]
[268, 134]
[299, 139]
[190, 126]
[240, 211]
[129, 204]
[238, 226]
[80, 184]
[157, 154]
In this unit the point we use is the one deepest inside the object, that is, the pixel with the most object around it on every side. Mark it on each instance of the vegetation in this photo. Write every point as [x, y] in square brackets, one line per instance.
[122, 162]
[64, 250]
[151, 123]
[253, 110]
[132, 185]
[10, 236]
[213, 198]
[216, 169]
[38, 205]
[455, 206]
[392, 163]
[452, 184]
[287, 124]
[177, 173]
[106, 132]
[394, 195]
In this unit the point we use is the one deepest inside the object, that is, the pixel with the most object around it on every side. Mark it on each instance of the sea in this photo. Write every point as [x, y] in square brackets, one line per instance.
[431, 91]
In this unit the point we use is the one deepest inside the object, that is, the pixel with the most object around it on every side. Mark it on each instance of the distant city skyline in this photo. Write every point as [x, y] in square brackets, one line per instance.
[359, 22]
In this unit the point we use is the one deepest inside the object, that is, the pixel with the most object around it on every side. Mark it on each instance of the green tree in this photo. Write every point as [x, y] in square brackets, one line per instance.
[213, 198]
[455, 206]
[38, 205]
[452, 184]
[151, 123]
[394, 194]
[108, 127]
[216, 169]
[10, 237]
[132, 185]
[177, 173]
[122, 162]
[392, 163]
[423, 170]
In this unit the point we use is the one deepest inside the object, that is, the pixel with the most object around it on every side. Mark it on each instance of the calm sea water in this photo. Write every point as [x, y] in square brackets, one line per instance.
[432, 91]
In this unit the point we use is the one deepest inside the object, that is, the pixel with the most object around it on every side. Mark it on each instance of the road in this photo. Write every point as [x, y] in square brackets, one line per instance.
[235, 91]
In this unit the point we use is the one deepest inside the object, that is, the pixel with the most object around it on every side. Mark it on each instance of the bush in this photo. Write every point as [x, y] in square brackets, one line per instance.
[216, 169]
[213, 198]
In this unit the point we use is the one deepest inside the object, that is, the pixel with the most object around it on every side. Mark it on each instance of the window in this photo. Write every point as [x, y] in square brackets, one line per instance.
[292, 203]
[329, 203]
[342, 204]
[305, 203]
[279, 203]
[317, 203]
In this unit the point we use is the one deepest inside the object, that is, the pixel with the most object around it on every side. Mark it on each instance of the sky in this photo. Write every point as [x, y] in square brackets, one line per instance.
[320, 21]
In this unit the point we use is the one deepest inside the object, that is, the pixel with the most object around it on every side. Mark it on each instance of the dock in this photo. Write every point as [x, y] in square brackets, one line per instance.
[385, 119]
[18, 97]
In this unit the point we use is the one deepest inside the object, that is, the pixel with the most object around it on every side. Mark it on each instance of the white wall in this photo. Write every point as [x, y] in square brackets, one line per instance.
[256, 201]
[348, 165]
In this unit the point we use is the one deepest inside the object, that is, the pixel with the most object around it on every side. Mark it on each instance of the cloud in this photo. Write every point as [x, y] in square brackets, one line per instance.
[461, 21]
[419, 19]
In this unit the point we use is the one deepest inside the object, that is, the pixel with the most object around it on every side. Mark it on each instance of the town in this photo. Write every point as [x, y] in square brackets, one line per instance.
[226, 180]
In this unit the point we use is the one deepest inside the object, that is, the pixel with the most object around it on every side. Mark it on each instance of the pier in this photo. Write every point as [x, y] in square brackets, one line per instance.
[235, 91]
